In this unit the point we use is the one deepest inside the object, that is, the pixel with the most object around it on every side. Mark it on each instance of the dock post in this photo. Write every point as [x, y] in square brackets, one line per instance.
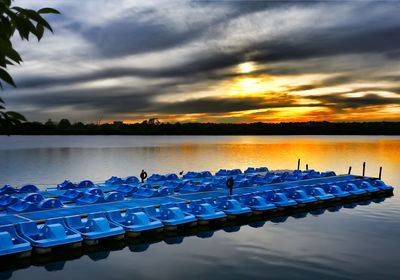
[349, 170]
[307, 166]
[363, 168]
[380, 173]
[143, 175]
[298, 164]
[229, 184]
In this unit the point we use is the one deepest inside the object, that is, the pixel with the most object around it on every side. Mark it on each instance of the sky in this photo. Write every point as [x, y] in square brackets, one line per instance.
[211, 61]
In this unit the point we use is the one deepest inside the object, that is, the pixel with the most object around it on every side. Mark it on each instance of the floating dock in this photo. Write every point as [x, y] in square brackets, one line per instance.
[84, 213]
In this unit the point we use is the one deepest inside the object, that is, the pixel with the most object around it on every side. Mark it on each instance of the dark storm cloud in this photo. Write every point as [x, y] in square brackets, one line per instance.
[125, 101]
[365, 33]
[331, 42]
[378, 41]
[122, 100]
[341, 101]
[201, 65]
[219, 105]
[129, 36]
[149, 30]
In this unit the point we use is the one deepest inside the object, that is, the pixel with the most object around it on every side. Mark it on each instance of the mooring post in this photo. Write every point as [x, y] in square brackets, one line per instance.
[143, 175]
[364, 168]
[229, 184]
[349, 170]
[307, 166]
[380, 173]
[298, 164]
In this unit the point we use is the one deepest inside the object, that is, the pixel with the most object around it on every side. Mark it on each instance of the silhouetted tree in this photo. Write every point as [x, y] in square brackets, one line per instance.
[154, 121]
[49, 123]
[26, 22]
[64, 123]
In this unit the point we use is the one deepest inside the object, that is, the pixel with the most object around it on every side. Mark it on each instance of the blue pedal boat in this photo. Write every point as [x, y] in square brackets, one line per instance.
[231, 206]
[34, 197]
[114, 181]
[204, 212]
[131, 180]
[73, 195]
[70, 195]
[278, 198]
[249, 170]
[165, 191]
[22, 206]
[351, 188]
[127, 189]
[53, 233]
[171, 177]
[170, 215]
[145, 192]
[7, 200]
[318, 192]
[367, 186]
[134, 221]
[381, 185]
[156, 178]
[176, 186]
[89, 198]
[299, 195]
[85, 184]
[7, 189]
[256, 203]
[335, 190]
[67, 184]
[28, 189]
[94, 227]
[113, 196]
[11, 242]
[189, 187]
[50, 203]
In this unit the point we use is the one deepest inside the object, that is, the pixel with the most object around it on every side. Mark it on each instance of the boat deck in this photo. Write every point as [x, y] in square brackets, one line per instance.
[41, 216]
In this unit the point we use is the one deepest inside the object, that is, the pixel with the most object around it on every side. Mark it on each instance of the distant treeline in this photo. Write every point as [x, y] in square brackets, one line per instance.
[64, 127]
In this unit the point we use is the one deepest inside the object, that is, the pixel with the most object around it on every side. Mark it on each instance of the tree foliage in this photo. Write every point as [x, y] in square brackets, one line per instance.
[25, 22]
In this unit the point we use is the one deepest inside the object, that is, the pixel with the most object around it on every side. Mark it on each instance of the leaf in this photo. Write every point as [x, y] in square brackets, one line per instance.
[3, 61]
[36, 17]
[19, 9]
[2, 101]
[12, 54]
[2, 107]
[22, 27]
[9, 62]
[39, 31]
[6, 77]
[15, 116]
[48, 11]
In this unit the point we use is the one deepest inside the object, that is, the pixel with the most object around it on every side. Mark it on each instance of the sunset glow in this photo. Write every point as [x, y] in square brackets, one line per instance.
[212, 62]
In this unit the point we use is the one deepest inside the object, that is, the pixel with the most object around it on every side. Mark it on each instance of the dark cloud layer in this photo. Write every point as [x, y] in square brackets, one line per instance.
[341, 101]
[367, 31]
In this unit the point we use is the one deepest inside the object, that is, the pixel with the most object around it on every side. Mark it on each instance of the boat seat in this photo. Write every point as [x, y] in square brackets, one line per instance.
[11, 242]
[28, 189]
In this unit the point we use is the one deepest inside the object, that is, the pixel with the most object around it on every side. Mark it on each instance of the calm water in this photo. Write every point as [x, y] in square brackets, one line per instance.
[353, 243]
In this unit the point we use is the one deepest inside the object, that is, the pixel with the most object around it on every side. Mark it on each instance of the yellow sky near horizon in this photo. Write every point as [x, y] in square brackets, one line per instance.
[282, 99]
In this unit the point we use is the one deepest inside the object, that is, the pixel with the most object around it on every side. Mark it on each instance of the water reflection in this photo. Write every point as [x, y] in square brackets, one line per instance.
[51, 159]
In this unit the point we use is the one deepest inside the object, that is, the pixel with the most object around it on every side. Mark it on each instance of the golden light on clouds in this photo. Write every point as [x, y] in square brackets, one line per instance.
[248, 87]
[246, 67]
[274, 98]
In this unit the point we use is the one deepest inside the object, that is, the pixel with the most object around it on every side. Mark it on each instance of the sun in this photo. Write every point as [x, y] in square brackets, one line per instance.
[246, 67]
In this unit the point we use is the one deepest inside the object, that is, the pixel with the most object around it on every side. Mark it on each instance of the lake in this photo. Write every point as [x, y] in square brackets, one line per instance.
[358, 241]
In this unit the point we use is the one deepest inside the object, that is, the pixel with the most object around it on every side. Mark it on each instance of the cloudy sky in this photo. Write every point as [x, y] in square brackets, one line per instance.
[219, 61]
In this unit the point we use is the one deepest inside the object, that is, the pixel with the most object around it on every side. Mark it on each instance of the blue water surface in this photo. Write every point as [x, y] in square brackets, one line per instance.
[359, 241]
